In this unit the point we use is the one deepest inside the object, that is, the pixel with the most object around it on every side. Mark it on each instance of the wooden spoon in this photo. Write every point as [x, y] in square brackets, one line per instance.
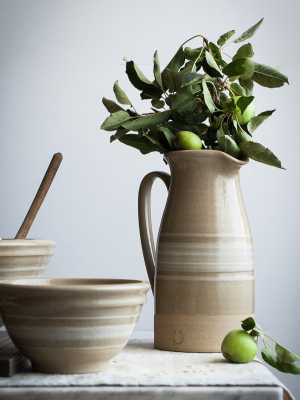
[40, 196]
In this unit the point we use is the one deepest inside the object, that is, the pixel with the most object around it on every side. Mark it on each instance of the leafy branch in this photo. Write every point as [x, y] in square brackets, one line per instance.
[273, 354]
[198, 91]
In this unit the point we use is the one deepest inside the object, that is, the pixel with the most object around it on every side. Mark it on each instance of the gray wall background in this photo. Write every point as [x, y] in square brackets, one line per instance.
[59, 58]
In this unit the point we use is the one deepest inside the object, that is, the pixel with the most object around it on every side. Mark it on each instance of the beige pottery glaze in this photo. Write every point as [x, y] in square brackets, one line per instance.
[202, 272]
[24, 258]
[71, 326]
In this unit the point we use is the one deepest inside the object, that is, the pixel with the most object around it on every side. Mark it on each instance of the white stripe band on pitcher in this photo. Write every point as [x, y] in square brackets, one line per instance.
[204, 278]
[204, 267]
[207, 235]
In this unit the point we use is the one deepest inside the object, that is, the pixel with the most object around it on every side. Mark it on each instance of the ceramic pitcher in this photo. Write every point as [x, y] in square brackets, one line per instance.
[202, 270]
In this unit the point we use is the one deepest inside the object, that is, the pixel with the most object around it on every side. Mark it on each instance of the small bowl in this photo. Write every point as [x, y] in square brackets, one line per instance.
[24, 258]
[71, 326]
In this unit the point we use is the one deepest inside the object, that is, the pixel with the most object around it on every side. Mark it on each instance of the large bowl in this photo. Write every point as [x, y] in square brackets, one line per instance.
[24, 258]
[69, 326]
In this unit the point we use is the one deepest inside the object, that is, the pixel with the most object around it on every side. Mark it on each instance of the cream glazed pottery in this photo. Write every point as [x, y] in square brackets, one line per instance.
[202, 271]
[24, 258]
[71, 326]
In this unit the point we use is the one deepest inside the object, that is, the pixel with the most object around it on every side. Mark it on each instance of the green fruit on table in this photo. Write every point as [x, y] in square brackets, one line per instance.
[185, 140]
[248, 113]
[239, 347]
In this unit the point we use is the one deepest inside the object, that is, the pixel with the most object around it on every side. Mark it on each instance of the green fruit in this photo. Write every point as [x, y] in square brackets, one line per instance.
[185, 140]
[239, 347]
[248, 113]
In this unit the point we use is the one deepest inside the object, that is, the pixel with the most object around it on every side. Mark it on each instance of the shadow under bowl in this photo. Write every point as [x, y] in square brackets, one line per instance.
[71, 326]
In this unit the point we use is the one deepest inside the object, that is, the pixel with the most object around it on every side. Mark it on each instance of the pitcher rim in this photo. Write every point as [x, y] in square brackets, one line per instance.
[241, 162]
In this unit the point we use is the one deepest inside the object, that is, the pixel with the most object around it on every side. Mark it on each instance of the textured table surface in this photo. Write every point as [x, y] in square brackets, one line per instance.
[140, 365]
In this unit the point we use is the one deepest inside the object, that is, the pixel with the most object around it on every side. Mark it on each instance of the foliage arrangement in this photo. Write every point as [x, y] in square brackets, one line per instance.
[199, 92]
[278, 356]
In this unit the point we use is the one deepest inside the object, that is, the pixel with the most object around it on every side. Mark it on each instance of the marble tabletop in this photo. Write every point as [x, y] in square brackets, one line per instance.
[142, 372]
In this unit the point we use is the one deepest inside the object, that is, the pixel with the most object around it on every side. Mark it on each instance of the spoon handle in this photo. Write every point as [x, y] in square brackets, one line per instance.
[40, 196]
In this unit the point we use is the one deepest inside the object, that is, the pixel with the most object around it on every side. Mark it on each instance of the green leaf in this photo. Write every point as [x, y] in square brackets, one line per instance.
[218, 121]
[247, 84]
[157, 72]
[255, 122]
[136, 77]
[248, 324]
[147, 120]
[235, 68]
[210, 138]
[284, 360]
[259, 153]
[120, 94]
[111, 106]
[139, 81]
[249, 33]
[143, 144]
[207, 97]
[151, 93]
[285, 355]
[118, 134]
[268, 76]
[216, 53]
[211, 72]
[237, 89]
[176, 62]
[189, 119]
[245, 51]
[223, 97]
[158, 103]
[243, 102]
[226, 36]
[270, 359]
[191, 78]
[289, 368]
[168, 135]
[191, 54]
[170, 81]
[115, 120]
[154, 141]
[182, 73]
[175, 126]
[249, 66]
[183, 102]
[228, 145]
[142, 132]
[201, 129]
[212, 63]
[229, 104]
[241, 135]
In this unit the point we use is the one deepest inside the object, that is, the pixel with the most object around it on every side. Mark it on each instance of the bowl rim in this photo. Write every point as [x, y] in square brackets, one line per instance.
[26, 242]
[88, 284]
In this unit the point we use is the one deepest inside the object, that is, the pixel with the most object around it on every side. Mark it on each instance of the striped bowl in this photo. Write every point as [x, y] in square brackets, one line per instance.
[71, 326]
[24, 258]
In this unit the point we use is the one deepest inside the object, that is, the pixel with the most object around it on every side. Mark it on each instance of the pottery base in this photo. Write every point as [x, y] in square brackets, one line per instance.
[194, 333]
[46, 368]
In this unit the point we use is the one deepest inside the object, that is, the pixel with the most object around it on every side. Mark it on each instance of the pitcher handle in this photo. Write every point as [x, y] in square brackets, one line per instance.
[144, 208]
